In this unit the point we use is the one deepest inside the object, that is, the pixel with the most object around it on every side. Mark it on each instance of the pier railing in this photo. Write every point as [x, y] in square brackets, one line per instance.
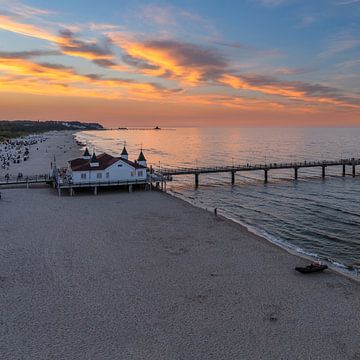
[252, 167]
[167, 173]
[24, 180]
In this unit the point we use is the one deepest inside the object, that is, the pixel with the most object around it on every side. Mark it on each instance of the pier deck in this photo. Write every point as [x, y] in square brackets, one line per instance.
[168, 173]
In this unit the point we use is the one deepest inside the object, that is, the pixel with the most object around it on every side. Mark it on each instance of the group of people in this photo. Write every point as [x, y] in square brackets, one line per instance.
[14, 151]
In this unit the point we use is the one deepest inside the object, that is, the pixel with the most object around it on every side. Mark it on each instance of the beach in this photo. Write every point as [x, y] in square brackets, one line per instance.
[60, 144]
[144, 275]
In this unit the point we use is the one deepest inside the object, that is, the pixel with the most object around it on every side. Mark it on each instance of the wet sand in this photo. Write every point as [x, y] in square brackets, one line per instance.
[148, 276]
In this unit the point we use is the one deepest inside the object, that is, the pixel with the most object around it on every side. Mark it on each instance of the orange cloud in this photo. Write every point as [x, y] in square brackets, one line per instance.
[237, 82]
[292, 90]
[66, 40]
[6, 23]
[29, 75]
[189, 63]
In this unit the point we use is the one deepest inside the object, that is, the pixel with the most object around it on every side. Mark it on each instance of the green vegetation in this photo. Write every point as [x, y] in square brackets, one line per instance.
[13, 129]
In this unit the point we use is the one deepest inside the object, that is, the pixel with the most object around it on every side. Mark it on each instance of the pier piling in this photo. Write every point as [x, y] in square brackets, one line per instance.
[196, 180]
[344, 170]
[353, 170]
[265, 176]
[323, 171]
[95, 190]
[295, 173]
[232, 177]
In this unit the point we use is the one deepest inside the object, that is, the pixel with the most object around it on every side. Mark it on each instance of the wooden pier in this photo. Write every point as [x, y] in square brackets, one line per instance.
[159, 178]
[96, 185]
[168, 173]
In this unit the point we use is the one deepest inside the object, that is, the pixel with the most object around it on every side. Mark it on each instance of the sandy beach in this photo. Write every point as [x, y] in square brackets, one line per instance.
[58, 143]
[144, 275]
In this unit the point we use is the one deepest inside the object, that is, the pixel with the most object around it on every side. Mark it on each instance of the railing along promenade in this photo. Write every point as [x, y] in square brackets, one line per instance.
[167, 173]
[24, 180]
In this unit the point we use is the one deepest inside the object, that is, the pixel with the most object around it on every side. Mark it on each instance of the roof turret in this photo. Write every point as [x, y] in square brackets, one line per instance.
[124, 152]
[141, 157]
[94, 158]
[86, 152]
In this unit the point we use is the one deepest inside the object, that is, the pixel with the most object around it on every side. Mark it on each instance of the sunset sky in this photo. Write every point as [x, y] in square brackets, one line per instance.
[124, 63]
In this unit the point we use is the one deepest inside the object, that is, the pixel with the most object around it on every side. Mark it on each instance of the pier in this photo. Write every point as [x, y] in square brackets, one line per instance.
[168, 173]
[159, 178]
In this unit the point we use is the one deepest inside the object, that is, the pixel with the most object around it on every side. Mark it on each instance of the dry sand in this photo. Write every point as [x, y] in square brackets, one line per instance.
[59, 143]
[147, 276]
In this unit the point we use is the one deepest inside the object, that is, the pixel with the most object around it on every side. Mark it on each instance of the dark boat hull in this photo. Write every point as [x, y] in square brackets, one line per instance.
[311, 269]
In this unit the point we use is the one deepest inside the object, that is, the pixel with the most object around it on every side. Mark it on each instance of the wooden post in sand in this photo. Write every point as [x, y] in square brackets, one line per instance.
[344, 170]
[232, 177]
[323, 171]
[196, 180]
[353, 170]
[59, 191]
[130, 188]
[295, 173]
[95, 190]
[265, 176]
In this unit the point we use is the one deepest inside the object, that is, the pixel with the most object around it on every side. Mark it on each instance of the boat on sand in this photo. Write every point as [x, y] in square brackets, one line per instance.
[314, 267]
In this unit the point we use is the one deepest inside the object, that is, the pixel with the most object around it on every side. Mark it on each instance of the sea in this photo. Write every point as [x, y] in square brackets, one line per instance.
[317, 218]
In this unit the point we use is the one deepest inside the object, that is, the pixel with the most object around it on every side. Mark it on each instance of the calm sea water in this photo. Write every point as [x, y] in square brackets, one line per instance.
[317, 217]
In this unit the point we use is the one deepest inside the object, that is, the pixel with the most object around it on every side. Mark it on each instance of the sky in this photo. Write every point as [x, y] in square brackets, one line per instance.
[181, 63]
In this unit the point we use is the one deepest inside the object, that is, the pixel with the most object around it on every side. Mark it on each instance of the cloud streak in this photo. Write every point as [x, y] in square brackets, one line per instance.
[189, 63]
[30, 72]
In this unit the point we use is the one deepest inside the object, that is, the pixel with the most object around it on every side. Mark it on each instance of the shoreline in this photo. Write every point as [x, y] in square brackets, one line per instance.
[274, 243]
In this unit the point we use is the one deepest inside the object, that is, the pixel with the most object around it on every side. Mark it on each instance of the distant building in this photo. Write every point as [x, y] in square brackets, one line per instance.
[107, 168]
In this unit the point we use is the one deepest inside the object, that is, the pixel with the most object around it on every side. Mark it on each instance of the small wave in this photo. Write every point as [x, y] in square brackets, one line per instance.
[291, 248]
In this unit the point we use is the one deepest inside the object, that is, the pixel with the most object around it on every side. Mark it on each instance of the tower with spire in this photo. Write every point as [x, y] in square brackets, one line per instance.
[141, 159]
[124, 154]
[86, 155]
[94, 162]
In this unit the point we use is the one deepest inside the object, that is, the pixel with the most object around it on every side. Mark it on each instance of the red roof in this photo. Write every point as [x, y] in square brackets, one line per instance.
[104, 160]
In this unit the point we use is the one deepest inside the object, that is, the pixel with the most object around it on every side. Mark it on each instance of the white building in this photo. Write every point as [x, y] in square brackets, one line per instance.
[106, 168]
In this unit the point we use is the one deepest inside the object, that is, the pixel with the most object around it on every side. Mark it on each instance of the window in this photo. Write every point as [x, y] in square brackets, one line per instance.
[99, 175]
[83, 176]
[107, 175]
[119, 165]
[140, 173]
[132, 173]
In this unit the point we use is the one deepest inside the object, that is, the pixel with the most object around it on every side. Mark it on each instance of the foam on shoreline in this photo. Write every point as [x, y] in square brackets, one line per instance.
[291, 249]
